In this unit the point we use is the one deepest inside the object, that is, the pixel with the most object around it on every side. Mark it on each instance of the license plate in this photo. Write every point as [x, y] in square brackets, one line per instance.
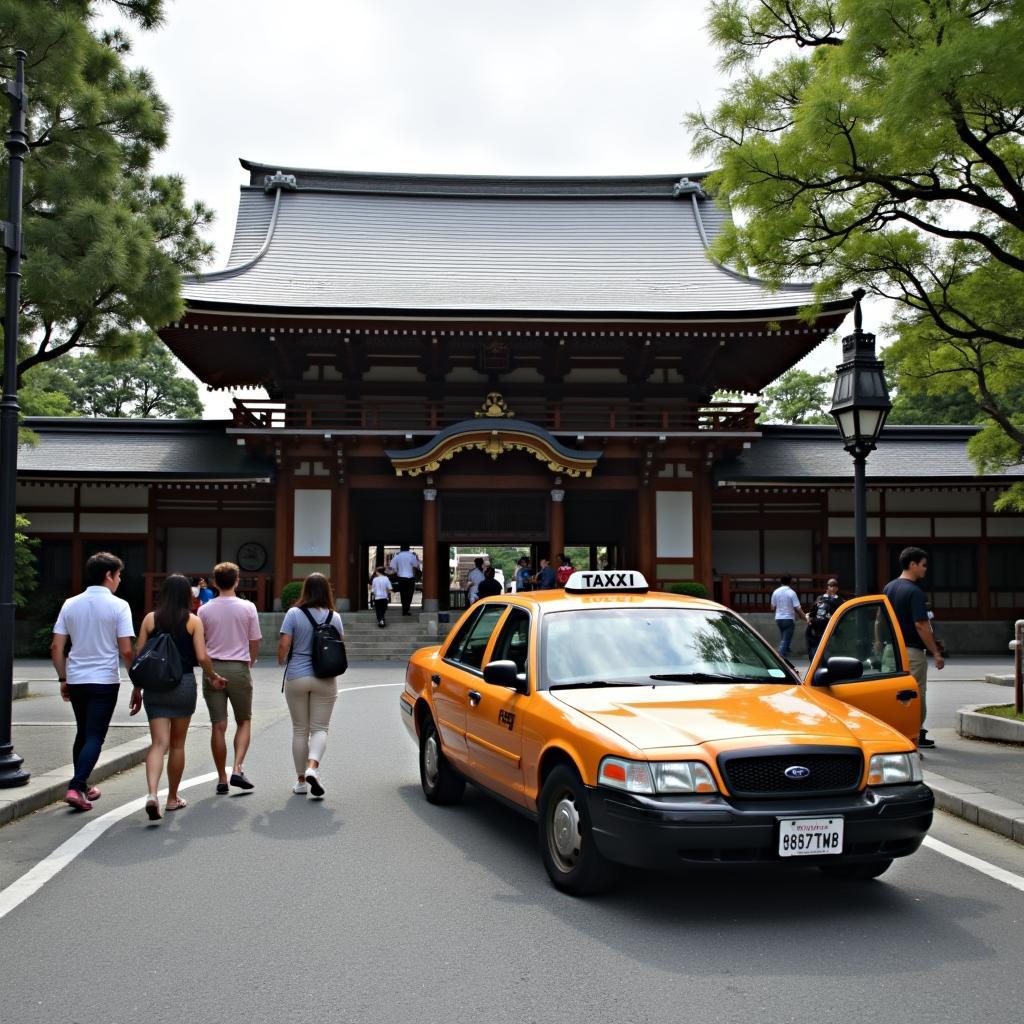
[810, 837]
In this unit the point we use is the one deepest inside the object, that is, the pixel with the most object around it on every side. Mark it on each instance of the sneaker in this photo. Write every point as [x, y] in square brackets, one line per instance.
[313, 778]
[238, 779]
[222, 788]
[923, 741]
[77, 800]
[299, 789]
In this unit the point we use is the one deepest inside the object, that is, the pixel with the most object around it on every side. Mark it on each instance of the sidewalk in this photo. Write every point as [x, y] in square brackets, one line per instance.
[975, 780]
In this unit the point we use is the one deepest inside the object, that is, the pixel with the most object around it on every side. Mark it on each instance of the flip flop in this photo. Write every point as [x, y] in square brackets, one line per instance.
[153, 809]
[182, 802]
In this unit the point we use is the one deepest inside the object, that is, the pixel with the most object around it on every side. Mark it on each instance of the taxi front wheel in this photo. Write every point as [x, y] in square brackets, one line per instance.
[573, 861]
[863, 871]
[442, 784]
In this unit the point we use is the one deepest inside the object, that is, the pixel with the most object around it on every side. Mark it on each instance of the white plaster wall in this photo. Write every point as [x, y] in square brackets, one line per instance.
[114, 497]
[734, 551]
[191, 549]
[674, 517]
[232, 539]
[788, 551]
[49, 496]
[116, 522]
[312, 523]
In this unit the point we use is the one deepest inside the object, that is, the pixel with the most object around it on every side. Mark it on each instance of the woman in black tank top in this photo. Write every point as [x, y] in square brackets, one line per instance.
[170, 711]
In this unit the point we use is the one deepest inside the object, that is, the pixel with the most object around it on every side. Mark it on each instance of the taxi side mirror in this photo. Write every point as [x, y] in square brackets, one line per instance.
[503, 673]
[838, 670]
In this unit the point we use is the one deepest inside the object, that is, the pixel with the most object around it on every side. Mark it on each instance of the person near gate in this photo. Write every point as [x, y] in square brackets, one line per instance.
[380, 588]
[170, 711]
[233, 636]
[786, 606]
[907, 597]
[310, 698]
[489, 586]
[546, 578]
[405, 565]
[524, 575]
[473, 580]
[565, 569]
[818, 617]
[99, 626]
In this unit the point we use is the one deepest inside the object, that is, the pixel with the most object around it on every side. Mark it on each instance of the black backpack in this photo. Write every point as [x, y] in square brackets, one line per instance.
[157, 667]
[328, 653]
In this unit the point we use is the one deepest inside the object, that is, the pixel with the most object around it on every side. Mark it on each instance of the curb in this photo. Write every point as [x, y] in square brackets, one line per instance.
[998, 680]
[972, 724]
[51, 786]
[995, 813]
[20, 690]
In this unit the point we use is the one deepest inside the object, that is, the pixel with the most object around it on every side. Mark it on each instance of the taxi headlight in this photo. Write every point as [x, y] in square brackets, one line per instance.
[894, 769]
[659, 777]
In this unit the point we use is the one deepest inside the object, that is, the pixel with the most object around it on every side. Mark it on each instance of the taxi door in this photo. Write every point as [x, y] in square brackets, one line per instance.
[494, 721]
[459, 673]
[865, 628]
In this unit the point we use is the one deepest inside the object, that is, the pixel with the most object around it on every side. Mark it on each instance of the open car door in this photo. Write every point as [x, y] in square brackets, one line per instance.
[865, 628]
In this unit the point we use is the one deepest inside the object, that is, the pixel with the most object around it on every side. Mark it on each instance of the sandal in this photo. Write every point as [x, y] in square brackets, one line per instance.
[93, 793]
[182, 802]
[153, 808]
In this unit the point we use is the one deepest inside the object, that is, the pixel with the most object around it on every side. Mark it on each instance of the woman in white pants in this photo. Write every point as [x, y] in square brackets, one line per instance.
[310, 699]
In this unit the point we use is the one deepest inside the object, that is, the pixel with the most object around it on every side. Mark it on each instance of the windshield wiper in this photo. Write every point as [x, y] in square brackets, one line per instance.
[709, 677]
[593, 682]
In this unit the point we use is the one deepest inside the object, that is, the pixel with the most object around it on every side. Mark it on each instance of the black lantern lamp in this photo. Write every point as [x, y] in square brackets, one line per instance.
[860, 405]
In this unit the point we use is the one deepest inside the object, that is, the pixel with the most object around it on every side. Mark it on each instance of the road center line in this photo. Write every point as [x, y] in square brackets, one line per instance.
[35, 878]
[998, 873]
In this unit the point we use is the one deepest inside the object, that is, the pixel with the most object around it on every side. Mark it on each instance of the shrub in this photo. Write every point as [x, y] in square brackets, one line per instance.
[691, 588]
[290, 594]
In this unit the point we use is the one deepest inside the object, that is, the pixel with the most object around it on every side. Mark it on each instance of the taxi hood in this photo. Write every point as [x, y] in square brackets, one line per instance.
[652, 717]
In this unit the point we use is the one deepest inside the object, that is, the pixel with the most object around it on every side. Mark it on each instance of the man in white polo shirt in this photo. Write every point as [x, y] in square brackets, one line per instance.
[786, 606]
[100, 629]
[405, 565]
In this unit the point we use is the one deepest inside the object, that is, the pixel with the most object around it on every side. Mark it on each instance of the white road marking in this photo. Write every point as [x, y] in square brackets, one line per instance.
[35, 878]
[998, 873]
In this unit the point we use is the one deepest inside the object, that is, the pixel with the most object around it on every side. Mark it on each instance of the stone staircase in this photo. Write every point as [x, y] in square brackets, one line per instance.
[365, 640]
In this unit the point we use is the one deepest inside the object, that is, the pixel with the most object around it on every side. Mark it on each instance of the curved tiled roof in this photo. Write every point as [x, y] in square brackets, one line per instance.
[350, 241]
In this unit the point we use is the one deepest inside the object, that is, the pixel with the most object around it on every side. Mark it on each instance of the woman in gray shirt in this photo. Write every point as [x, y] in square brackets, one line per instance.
[310, 699]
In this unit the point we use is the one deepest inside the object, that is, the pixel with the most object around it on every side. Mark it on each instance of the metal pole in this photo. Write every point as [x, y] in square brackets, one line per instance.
[860, 525]
[11, 773]
[1018, 667]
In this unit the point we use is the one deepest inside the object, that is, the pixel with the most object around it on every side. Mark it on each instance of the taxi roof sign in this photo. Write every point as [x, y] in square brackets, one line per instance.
[619, 581]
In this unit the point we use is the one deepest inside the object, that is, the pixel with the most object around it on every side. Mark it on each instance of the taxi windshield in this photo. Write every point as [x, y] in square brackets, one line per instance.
[656, 646]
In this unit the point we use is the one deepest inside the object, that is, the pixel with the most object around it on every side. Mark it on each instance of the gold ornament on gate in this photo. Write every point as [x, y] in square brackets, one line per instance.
[494, 407]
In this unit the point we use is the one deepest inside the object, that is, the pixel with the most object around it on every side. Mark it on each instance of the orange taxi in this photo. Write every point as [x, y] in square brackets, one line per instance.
[656, 730]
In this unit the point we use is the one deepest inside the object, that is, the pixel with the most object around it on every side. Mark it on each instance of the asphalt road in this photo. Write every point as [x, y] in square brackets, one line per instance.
[375, 906]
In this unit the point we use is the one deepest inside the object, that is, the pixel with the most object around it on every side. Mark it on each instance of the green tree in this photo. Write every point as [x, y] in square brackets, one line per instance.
[145, 385]
[106, 241]
[883, 146]
[24, 562]
[798, 396]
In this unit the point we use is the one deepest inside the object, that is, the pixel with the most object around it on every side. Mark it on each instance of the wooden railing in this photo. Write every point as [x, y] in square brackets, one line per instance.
[253, 586]
[345, 414]
[752, 592]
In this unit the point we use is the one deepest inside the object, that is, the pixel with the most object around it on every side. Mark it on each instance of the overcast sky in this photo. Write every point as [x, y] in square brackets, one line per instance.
[482, 87]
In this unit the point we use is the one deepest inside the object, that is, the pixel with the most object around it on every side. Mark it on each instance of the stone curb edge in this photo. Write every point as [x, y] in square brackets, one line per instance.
[995, 813]
[51, 786]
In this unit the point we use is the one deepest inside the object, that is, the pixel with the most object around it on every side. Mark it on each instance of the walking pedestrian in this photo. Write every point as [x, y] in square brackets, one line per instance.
[565, 569]
[310, 699]
[473, 580]
[786, 606]
[406, 565]
[489, 587]
[206, 592]
[170, 711]
[232, 630]
[524, 575]
[380, 587]
[907, 597]
[546, 577]
[818, 618]
[99, 626]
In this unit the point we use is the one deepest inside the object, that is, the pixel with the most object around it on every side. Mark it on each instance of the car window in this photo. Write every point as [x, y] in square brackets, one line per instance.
[513, 643]
[687, 644]
[865, 632]
[460, 637]
[471, 651]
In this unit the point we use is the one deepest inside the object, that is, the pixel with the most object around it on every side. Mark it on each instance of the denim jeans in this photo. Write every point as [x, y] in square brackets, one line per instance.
[93, 704]
[786, 627]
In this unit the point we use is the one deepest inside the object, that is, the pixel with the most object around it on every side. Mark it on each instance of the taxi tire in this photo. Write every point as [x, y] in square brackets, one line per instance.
[449, 785]
[590, 872]
[862, 871]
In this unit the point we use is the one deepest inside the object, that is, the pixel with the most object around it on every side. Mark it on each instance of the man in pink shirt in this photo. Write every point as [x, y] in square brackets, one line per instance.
[233, 637]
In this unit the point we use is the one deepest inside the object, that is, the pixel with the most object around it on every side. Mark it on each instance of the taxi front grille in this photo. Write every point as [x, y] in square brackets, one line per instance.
[794, 773]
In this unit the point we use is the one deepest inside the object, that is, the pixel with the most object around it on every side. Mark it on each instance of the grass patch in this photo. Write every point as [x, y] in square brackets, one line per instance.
[1002, 711]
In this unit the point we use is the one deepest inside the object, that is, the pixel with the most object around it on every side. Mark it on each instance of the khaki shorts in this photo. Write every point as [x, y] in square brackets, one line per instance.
[238, 691]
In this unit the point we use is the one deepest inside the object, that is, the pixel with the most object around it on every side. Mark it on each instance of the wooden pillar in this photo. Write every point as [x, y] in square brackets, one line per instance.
[645, 532]
[282, 533]
[340, 548]
[431, 570]
[702, 527]
[556, 524]
[77, 559]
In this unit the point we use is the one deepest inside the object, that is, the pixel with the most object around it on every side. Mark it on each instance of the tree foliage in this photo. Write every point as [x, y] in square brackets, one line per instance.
[24, 562]
[106, 241]
[883, 145]
[798, 396]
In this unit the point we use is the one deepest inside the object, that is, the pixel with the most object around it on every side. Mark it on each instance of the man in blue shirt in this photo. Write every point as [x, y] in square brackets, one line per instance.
[524, 574]
[907, 597]
[546, 578]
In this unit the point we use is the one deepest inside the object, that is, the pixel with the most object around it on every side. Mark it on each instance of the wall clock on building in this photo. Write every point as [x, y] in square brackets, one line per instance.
[252, 556]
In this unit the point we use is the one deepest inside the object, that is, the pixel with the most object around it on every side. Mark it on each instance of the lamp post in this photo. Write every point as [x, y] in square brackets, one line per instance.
[11, 773]
[860, 404]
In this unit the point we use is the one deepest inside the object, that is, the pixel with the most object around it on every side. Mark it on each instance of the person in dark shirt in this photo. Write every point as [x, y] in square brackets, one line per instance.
[490, 586]
[546, 578]
[908, 601]
[818, 617]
